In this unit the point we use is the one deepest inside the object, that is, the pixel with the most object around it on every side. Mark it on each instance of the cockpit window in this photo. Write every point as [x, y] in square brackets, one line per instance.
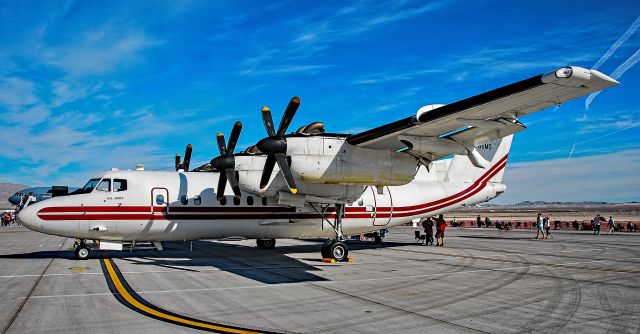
[87, 187]
[105, 185]
[119, 185]
[90, 185]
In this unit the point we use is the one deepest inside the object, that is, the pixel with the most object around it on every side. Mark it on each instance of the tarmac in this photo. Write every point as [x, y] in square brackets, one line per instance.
[479, 282]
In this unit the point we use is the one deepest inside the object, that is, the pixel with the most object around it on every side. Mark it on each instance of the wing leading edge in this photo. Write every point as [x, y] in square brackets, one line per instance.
[490, 115]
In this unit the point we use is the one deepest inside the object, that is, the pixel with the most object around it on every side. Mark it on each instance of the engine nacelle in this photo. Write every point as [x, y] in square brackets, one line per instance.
[331, 160]
[327, 167]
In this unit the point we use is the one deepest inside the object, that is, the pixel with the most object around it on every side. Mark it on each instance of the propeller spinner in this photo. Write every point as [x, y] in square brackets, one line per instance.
[225, 162]
[275, 146]
[184, 165]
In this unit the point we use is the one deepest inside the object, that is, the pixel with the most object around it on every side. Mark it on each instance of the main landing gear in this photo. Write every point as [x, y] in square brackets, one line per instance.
[336, 248]
[266, 243]
[81, 250]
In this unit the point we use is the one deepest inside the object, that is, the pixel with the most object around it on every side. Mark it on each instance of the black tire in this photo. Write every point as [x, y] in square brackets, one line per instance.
[326, 253]
[338, 251]
[82, 252]
[266, 243]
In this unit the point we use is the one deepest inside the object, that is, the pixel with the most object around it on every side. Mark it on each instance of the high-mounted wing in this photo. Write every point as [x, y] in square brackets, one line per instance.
[490, 115]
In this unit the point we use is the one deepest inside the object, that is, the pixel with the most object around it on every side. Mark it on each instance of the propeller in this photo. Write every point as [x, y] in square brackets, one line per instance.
[275, 145]
[225, 162]
[184, 165]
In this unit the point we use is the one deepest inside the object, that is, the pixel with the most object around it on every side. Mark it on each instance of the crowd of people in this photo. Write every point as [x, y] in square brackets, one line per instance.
[7, 219]
[542, 224]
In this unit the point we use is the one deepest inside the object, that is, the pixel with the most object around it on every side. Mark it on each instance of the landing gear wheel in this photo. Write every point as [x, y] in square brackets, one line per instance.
[338, 251]
[82, 251]
[266, 243]
[325, 251]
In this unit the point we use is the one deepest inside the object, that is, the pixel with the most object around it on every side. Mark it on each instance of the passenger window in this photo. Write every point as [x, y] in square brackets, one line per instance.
[249, 200]
[119, 185]
[104, 185]
[264, 201]
[160, 199]
[223, 200]
[360, 202]
[197, 200]
[184, 200]
[236, 201]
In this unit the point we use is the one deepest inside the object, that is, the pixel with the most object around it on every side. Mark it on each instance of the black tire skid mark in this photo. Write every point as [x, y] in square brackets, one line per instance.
[356, 297]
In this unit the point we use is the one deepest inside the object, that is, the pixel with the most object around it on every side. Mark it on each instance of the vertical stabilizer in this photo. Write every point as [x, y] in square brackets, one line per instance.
[495, 151]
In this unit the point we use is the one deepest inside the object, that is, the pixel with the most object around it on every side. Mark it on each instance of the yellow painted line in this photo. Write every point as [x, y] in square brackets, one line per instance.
[125, 294]
[78, 268]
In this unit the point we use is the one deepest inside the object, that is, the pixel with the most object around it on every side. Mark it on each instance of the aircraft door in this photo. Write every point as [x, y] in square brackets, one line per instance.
[384, 206]
[159, 201]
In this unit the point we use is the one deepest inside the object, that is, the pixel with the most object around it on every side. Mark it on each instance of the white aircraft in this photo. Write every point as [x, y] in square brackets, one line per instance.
[325, 185]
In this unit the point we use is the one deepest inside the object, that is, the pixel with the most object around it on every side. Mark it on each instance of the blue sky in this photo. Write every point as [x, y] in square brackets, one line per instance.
[86, 86]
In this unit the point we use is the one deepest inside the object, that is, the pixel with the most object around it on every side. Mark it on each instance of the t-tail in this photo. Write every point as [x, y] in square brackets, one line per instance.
[486, 163]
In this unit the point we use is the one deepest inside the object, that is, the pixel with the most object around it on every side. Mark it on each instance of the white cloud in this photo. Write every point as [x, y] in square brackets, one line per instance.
[16, 93]
[98, 51]
[605, 177]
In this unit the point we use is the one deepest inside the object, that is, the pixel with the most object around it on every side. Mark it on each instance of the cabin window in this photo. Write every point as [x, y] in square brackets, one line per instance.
[236, 201]
[197, 200]
[104, 185]
[88, 187]
[223, 200]
[184, 200]
[360, 202]
[249, 200]
[159, 199]
[119, 185]
[264, 201]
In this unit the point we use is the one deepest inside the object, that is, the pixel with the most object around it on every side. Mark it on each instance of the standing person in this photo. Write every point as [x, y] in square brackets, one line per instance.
[487, 221]
[441, 225]
[611, 225]
[428, 231]
[547, 227]
[596, 225]
[539, 226]
[479, 221]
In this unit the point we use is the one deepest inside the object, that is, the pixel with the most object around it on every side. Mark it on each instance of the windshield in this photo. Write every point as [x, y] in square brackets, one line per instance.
[90, 185]
[87, 187]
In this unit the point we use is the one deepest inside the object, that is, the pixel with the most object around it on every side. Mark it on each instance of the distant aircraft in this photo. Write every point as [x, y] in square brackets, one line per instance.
[40, 193]
[315, 184]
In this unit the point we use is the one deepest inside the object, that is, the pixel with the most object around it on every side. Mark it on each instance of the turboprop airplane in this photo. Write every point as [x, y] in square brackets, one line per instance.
[315, 184]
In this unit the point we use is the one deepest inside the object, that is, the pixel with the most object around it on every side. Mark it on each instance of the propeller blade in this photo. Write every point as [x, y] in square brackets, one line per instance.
[281, 158]
[266, 172]
[268, 121]
[233, 137]
[222, 147]
[222, 183]
[187, 157]
[292, 107]
[231, 176]
[177, 162]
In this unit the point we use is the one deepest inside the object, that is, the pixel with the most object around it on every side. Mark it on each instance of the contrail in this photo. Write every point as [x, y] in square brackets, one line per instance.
[627, 65]
[634, 26]
[596, 138]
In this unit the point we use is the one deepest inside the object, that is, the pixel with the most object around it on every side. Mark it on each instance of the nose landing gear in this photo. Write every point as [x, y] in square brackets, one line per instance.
[81, 250]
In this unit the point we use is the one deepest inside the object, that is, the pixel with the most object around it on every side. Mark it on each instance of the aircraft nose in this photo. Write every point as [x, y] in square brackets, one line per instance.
[15, 199]
[29, 218]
